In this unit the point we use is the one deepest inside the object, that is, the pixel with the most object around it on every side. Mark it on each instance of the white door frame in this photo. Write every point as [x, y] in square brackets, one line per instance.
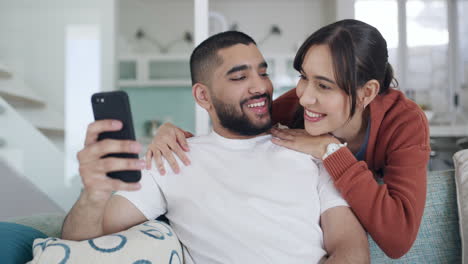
[202, 120]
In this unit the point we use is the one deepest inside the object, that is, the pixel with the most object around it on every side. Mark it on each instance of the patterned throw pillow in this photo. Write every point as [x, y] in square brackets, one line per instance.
[150, 242]
[461, 176]
[438, 240]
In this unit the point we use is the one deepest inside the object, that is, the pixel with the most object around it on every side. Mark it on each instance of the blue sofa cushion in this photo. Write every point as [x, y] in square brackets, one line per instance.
[438, 240]
[16, 242]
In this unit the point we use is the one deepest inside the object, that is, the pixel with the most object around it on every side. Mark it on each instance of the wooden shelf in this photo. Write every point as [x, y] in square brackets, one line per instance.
[139, 70]
[154, 57]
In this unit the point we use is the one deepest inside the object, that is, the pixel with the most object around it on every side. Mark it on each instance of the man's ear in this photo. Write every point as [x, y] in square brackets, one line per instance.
[202, 96]
[368, 92]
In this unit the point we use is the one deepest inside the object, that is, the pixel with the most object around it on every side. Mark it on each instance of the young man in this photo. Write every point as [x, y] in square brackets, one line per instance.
[244, 199]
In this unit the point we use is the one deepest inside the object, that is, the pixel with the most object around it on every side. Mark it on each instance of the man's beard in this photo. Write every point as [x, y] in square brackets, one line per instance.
[238, 122]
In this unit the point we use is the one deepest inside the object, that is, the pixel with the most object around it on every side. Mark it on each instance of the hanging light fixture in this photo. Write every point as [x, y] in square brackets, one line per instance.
[274, 30]
[140, 34]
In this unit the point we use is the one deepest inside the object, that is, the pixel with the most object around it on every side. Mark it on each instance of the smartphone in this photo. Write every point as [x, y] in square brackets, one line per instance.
[115, 105]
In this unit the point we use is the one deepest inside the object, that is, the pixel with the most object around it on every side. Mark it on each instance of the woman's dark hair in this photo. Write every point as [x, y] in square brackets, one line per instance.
[359, 54]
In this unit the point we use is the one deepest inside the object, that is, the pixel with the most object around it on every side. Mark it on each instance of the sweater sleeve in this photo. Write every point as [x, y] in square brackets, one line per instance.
[390, 212]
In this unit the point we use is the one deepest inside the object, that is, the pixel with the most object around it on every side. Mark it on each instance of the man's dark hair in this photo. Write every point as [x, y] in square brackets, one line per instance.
[204, 58]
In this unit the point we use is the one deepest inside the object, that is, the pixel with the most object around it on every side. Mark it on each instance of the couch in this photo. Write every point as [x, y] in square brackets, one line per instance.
[438, 240]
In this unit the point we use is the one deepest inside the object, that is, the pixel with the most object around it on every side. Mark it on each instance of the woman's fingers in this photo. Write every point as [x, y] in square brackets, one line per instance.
[182, 147]
[167, 154]
[169, 140]
[148, 158]
[283, 143]
[182, 140]
[180, 153]
[282, 134]
[298, 132]
[295, 132]
[157, 156]
[188, 134]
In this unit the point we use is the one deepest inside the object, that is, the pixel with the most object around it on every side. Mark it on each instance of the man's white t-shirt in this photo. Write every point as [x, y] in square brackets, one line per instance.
[242, 201]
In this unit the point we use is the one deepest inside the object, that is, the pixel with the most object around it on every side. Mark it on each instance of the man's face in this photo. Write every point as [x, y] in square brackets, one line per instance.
[241, 91]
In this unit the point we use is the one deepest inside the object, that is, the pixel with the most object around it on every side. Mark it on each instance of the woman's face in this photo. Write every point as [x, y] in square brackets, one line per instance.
[326, 106]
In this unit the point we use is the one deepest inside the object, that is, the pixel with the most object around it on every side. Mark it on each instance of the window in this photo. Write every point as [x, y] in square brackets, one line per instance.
[417, 34]
[463, 33]
[427, 60]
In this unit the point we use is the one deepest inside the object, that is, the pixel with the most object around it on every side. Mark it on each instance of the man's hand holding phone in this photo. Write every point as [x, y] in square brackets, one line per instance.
[86, 219]
[93, 166]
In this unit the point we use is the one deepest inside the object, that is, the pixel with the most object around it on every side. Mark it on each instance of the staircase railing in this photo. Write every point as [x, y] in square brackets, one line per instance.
[33, 155]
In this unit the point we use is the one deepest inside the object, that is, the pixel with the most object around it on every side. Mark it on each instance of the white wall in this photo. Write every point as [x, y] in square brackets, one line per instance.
[33, 44]
[33, 40]
[108, 24]
[344, 9]
[167, 20]
[463, 27]
[297, 20]
[162, 20]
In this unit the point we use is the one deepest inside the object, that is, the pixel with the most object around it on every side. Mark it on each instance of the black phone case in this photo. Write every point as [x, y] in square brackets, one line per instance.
[115, 105]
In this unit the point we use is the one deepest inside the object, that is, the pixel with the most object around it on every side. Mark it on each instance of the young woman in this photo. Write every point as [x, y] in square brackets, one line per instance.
[364, 130]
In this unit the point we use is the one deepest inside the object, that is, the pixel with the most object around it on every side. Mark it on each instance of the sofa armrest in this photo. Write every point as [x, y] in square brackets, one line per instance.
[49, 224]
